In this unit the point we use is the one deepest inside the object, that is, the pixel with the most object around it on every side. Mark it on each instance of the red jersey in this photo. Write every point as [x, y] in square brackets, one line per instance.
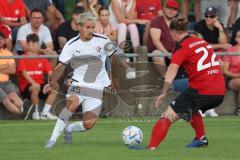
[147, 9]
[201, 65]
[6, 31]
[12, 12]
[35, 68]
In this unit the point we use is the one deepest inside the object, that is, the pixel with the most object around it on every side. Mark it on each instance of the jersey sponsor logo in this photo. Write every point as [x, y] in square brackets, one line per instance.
[35, 72]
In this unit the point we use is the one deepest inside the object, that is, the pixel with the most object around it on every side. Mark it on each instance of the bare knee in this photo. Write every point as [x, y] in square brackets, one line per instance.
[6, 101]
[12, 95]
[170, 114]
[72, 103]
[88, 125]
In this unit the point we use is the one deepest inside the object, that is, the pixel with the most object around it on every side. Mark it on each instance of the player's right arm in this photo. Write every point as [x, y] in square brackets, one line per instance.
[170, 75]
[64, 59]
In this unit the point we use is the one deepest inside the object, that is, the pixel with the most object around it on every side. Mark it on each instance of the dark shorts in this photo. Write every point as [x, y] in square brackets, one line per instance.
[6, 88]
[190, 102]
[26, 93]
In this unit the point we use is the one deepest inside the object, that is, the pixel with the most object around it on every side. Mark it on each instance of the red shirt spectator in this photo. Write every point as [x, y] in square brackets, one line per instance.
[12, 11]
[165, 37]
[234, 61]
[6, 31]
[148, 9]
[35, 68]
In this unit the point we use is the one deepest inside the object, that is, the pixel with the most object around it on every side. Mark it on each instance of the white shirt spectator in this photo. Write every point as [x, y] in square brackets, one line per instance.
[43, 33]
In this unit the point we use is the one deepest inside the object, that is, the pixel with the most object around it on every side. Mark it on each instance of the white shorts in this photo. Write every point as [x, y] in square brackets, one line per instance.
[89, 103]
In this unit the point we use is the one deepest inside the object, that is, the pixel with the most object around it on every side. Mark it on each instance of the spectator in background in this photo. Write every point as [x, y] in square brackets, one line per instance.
[103, 25]
[35, 26]
[104, 3]
[231, 69]
[8, 92]
[31, 80]
[7, 34]
[159, 35]
[147, 10]
[60, 5]
[90, 5]
[192, 19]
[68, 29]
[221, 5]
[233, 6]
[53, 18]
[13, 14]
[212, 30]
[235, 28]
[122, 16]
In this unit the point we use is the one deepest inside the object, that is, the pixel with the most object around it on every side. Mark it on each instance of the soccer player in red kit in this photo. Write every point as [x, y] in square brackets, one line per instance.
[206, 85]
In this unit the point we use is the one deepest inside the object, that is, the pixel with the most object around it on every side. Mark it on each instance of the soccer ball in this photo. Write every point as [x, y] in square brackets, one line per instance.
[132, 135]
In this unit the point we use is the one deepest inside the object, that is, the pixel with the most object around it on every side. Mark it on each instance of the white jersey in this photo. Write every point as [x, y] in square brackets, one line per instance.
[87, 58]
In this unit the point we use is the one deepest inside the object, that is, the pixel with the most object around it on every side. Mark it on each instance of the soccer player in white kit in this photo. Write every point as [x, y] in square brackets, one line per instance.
[86, 54]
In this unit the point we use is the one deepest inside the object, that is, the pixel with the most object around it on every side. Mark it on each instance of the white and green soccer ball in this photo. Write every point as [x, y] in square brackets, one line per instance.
[132, 135]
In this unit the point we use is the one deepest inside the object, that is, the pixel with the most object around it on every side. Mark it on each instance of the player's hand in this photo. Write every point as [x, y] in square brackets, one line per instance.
[46, 88]
[218, 25]
[159, 101]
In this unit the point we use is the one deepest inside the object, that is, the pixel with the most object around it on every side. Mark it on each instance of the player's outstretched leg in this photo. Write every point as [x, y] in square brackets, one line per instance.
[60, 125]
[197, 124]
[71, 105]
[160, 129]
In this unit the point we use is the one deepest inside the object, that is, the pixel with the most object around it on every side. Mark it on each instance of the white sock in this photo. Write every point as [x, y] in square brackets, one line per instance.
[76, 127]
[46, 108]
[60, 125]
[36, 108]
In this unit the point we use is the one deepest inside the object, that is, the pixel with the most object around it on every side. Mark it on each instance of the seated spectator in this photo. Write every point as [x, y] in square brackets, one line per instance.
[31, 79]
[53, 17]
[35, 26]
[235, 28]
[160, 39]
[60, 5]
[104, 3]
[194, 15]
[90, 5]
[231, 69]
[13, 14]
[103, 25]
[8, 92]
[147, 10]
[212, 30]
[7, 34]
[68, 29]
[221, 5]
[123, 18]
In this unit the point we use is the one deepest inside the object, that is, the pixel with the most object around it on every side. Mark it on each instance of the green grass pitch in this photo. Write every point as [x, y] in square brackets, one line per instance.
[25, 140]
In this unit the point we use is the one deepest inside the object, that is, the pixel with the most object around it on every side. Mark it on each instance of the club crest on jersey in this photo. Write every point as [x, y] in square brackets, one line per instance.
[98, 49]
[39, 65]
[17, 12]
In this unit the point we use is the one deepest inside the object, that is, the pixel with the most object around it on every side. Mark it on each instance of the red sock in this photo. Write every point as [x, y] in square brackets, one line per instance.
[159, 132]
[197, 125]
